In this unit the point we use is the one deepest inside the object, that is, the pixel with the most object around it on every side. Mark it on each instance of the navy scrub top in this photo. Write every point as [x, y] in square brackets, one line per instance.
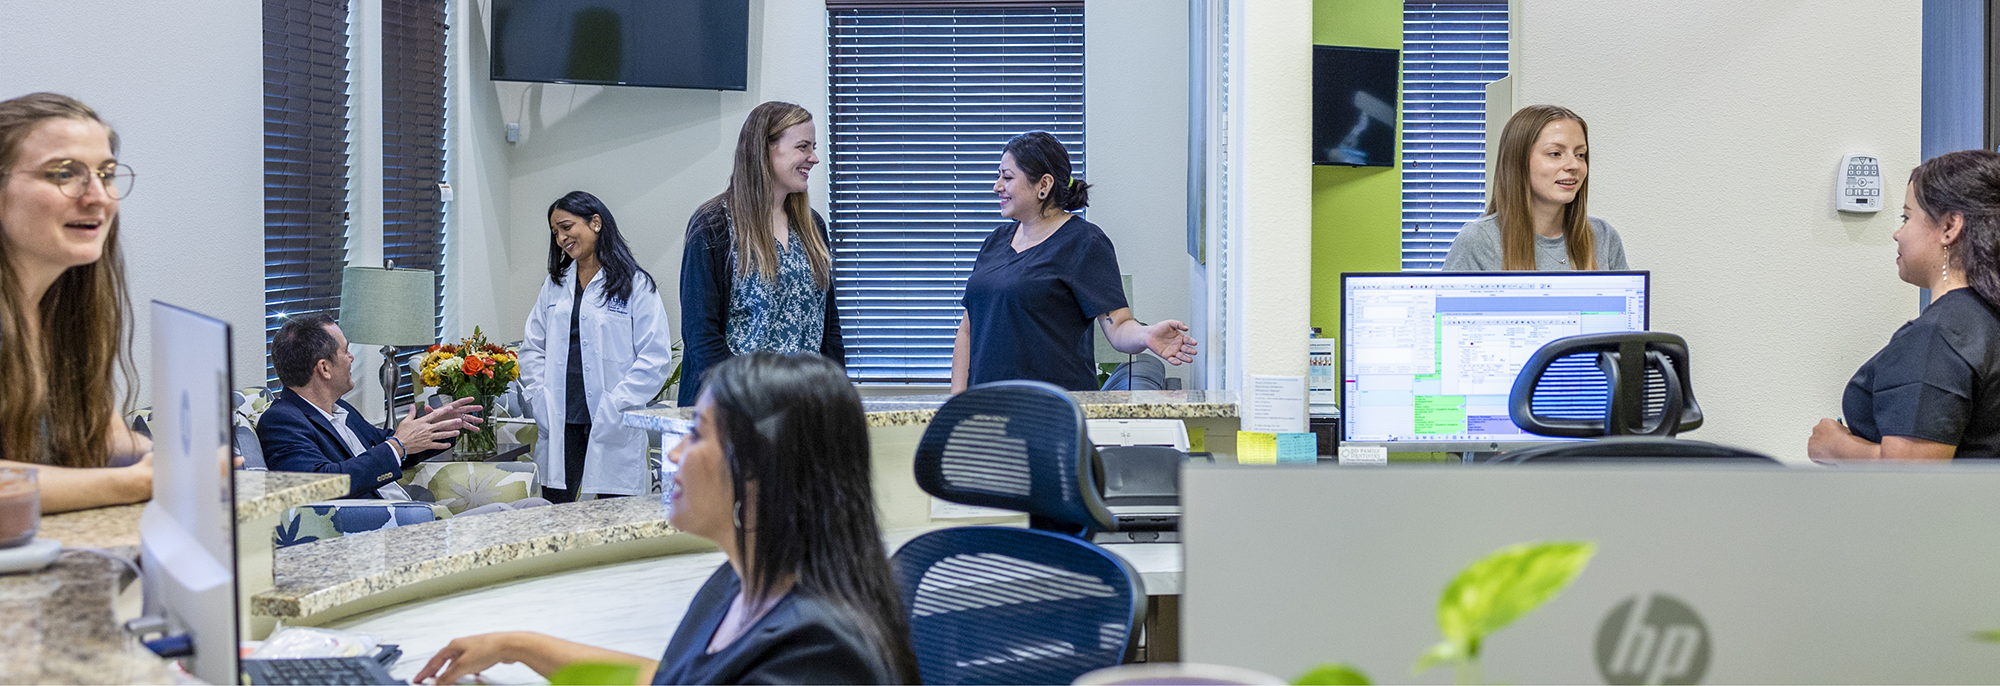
[799, 641]
[1937, 380]
[1030, 312]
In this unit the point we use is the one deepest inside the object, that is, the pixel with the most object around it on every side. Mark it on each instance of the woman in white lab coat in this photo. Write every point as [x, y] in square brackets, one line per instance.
[592, 352]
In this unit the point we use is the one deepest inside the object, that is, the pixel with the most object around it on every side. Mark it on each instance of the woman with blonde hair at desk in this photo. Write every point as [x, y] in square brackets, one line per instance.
[1933, 393]
[775, 472]
[64, 331]
[1537, 219]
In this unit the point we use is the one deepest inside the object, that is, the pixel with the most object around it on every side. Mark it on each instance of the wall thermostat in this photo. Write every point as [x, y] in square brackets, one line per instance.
[1859, 188]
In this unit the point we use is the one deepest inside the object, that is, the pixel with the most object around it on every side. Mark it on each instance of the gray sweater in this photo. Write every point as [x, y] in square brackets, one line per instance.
[1477, 248]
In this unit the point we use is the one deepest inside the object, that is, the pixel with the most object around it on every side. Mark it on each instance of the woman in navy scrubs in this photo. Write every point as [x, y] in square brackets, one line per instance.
[776, 474]
[1039, 282]
[1933, 393]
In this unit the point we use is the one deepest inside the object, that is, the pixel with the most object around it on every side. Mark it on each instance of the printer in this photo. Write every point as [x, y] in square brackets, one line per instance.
[1140, 471]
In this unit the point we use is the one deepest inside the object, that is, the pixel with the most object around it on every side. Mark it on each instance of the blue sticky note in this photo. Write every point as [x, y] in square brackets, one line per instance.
[1297, 448]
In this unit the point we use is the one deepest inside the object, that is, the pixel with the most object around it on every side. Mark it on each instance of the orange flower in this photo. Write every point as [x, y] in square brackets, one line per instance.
[473, 364]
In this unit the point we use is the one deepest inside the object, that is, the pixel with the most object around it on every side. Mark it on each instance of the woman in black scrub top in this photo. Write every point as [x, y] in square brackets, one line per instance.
[1040, 281]
[776, 474]
[1933, 393]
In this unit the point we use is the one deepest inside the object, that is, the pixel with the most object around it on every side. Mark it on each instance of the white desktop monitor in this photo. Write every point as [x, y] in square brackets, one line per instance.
[188, 531]
[1428, 358]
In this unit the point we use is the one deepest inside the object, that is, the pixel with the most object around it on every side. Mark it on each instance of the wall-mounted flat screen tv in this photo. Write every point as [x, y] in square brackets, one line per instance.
[1354, 106]
[656, 43]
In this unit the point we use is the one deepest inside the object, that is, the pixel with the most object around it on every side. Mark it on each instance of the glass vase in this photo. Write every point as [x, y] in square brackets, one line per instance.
[481, 441]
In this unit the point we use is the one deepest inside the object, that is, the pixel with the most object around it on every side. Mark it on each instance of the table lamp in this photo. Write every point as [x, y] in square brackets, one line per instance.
[388, 307]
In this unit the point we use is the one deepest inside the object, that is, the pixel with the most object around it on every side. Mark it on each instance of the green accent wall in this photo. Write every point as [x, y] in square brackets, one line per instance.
[1357, 211]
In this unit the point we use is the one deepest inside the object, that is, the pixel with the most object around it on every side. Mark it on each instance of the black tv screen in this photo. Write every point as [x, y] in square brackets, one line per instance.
[657, 43]
[1354, 106]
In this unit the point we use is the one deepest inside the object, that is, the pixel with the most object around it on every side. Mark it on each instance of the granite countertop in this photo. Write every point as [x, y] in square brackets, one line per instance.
[906, 410]
[60, 625]
[260, 494]
[322, 575]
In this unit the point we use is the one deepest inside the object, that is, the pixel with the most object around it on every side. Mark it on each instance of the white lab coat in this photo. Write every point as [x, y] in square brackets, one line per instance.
[627, 353]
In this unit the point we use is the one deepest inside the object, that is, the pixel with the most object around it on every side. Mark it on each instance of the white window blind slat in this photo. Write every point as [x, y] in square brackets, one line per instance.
[1450, 52]
[923, 99]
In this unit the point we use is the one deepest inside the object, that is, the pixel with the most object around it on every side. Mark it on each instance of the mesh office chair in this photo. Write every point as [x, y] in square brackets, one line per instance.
[1649, 398]
[1005, 605]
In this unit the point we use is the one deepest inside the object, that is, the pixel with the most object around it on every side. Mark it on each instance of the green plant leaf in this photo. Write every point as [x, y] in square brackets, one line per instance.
[1334, 674]
[1442, 653]
[1494, 591]
[595, 674]
[1989, 635]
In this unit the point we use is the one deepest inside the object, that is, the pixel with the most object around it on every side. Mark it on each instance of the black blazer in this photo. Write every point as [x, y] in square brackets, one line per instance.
[708, 266]
[296, 437]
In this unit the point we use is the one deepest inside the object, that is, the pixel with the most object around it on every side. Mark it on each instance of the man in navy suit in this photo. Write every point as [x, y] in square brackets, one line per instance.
[310, 429]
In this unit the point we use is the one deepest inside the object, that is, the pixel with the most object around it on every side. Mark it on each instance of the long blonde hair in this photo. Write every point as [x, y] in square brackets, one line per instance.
[1512, 198]
[68, 379]
[748, 198]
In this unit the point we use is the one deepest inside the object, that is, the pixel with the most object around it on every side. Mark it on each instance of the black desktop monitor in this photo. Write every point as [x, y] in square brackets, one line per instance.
[1428, 358]
[657, 43]
[1354, 106]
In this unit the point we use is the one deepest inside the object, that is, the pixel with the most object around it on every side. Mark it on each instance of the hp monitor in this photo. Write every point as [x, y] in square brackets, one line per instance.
[1428, 358]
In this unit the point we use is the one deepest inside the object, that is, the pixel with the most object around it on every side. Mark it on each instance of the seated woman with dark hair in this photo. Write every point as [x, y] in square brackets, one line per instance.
[776, 473]
[1933, 393]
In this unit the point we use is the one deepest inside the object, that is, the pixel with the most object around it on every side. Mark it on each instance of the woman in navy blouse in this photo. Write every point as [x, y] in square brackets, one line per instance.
[1039, 282]
[756, 271]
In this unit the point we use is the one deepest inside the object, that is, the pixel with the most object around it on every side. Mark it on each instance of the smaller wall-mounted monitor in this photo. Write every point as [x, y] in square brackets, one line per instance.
[1354, 106]
[701, 44]
[1429, 358]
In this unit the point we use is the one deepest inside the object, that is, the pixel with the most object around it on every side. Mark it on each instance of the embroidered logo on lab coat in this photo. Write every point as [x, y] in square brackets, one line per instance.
[617, 307]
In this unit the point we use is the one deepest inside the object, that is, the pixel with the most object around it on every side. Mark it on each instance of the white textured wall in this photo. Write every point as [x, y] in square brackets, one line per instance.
[1135, 117]
[183, 84]
[1716, 130]
[1270, 129]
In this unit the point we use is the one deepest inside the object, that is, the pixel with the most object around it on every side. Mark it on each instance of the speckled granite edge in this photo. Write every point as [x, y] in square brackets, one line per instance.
[58, 625]
[260, 494]
[294, 598]
[908, 410]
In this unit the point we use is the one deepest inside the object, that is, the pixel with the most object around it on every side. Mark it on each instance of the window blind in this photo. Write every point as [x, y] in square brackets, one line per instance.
[305, 160]
[1450, 52]
[413, 147]
[923, 98]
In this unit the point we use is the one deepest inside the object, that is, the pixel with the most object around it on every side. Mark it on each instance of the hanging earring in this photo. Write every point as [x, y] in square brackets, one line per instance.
[1944, 270]
[739, 514]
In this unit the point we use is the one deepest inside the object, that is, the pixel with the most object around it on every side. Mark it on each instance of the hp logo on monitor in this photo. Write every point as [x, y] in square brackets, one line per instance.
[1652, 639]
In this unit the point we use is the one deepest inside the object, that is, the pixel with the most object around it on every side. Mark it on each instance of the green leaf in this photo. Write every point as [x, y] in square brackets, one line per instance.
[595, 674]
[1989, 635]
[1443, 653]
[1494, 591]
[1334, 674]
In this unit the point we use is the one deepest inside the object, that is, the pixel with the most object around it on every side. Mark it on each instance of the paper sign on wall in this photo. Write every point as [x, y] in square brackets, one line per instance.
[1277, 404]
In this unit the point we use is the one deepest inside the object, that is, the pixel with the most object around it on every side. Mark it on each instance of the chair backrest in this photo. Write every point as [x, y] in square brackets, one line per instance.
[1015, 445]
[1649, 391]
[1002, 605]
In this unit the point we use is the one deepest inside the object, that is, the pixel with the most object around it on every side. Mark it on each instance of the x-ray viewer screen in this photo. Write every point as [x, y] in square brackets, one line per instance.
[1431, 357]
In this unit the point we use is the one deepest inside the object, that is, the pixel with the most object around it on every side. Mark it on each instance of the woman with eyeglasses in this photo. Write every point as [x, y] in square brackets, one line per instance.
[776, 473]
[66, 318]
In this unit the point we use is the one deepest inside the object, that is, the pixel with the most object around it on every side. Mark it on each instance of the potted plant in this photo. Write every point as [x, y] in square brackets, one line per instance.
[474, 368]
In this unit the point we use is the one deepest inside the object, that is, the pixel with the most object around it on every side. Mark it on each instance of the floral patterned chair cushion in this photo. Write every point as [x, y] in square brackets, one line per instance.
[461, 486]
[336, 518]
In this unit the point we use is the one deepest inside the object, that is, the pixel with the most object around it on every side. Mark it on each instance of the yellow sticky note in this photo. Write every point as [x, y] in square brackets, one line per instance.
[1256, 447]
[1197, 439]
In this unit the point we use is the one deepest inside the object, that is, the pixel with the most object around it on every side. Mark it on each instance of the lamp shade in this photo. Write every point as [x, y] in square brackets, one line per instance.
[388, 306]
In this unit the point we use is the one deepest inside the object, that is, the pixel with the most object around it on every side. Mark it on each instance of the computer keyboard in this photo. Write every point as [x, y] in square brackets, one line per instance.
[340, 671]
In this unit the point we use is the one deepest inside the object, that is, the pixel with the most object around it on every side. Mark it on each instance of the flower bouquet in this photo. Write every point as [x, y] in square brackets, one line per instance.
[474, 369]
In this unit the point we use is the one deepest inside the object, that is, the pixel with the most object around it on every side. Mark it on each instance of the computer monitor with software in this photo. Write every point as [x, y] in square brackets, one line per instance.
[188, 530]
[1701, 574]
[1428, 358]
